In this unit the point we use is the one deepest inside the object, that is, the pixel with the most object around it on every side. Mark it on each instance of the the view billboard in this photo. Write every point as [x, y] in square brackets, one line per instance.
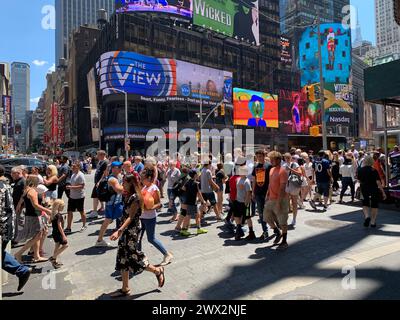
[233, 18]
[178, 7]
[336, 54]
[255, 109]
[162, 80]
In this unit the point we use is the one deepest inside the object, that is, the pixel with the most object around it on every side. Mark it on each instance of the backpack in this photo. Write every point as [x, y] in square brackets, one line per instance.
[177, 188]
[7, 213]
[104, 192]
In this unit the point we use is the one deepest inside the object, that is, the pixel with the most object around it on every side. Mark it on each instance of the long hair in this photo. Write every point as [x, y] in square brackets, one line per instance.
[58, 205]
[134, 187]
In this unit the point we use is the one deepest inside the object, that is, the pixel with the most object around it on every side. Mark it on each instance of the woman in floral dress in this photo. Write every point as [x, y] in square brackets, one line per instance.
[129, 258]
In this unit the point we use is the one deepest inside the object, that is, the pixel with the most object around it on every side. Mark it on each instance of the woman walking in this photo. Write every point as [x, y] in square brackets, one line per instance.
[129, 257]
[34, 226]
[152, 202]
[293, 189]
[348, 177]
[371, 185]
[335, 171]
[51, 182]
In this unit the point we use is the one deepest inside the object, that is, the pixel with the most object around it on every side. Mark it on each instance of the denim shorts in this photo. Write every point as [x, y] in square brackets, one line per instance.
[323, 189]
[115, 211]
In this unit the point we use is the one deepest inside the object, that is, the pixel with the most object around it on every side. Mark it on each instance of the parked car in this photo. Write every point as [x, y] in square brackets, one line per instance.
[27, 162]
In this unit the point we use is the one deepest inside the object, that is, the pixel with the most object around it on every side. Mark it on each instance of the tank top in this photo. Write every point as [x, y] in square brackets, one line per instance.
[52, 187]
[29, 209]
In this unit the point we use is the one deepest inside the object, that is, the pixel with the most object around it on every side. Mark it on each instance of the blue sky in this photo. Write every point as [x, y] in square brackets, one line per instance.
[24, 39]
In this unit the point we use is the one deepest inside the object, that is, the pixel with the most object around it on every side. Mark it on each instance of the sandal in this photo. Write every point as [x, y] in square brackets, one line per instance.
[56, 265]
[161, 274]
[120, 294]
[41, 260]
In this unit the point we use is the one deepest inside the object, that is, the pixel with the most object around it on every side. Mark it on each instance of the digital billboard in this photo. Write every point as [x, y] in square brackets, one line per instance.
[255, 109]
[338, 104]
[233, 18]
[297, 114]
[162, 80]
[336, 54]
[286, 50]
[178, 7]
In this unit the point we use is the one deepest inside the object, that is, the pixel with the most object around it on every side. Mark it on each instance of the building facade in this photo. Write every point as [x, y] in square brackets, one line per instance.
[70, 14]
[37, 126]
[4, 91]
[20, 80]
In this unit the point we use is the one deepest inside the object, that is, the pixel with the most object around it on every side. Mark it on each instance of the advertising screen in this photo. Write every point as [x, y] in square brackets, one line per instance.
[297, 113]
[336, 54]
[255, 109]
[178, 7]
[286, 51]
[234, 18]
[338, 104]
[162, 80]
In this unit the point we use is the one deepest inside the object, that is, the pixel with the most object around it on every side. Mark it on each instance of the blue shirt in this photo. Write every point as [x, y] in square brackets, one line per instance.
[117, 197]
[321, 167]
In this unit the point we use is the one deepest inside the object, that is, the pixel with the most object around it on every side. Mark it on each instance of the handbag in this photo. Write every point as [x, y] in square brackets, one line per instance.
[295, 180]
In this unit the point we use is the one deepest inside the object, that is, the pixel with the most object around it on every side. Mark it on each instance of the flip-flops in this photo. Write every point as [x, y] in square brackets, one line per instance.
[162, 274]
[120, 294]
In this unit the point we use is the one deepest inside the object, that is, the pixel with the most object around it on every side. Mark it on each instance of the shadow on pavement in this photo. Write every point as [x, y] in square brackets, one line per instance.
[93, 251]
[12, 294]
[107, 296]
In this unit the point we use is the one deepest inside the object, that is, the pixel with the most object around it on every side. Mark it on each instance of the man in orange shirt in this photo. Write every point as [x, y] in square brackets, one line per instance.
[277, 201]
[378, 167]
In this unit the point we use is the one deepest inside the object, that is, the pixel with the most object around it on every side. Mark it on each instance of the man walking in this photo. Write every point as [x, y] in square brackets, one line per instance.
[100, 169]
[322, 176]
[208, 186]
[63, 177]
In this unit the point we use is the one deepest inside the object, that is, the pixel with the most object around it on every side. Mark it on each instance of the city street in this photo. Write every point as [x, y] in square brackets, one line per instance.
[330, 256]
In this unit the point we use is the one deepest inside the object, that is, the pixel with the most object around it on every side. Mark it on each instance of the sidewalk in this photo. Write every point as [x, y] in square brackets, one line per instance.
[214, 266]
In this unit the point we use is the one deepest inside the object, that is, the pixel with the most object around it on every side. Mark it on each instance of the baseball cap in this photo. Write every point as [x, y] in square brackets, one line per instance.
[116, 164]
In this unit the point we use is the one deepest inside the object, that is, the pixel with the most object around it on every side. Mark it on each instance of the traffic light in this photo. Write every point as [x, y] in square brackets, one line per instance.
[223, 110]
[396, 7]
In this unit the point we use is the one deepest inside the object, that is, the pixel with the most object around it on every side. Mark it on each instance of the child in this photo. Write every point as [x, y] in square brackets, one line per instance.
[59, 237]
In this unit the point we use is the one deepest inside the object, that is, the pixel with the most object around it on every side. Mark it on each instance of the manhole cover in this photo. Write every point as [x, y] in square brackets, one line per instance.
[326, 224]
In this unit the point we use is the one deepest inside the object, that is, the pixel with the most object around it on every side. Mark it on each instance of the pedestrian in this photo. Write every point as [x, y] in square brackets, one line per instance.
[17, 192]
[336, 171]
[294, 184]
[76, 200]
[322, 175]
[260, 188]
[208, 186]
[371, 187]
[7, 232]
[161, 177]
[34, 226]
[130, 259]
[114, 206]
[220, 180]
[348, 178]
[101, 168]
[308, 170]
[191, 195]
[35, 172]
[277, 205]
[63, 177]
[379, 167]
[127, 168]
[152, 202]
[59, 236]
[173, 175]
[139, 166]
[51, 183]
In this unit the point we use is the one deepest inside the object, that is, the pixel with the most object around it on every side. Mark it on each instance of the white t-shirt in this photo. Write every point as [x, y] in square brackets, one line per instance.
[150, 191]
[309, 170]
[347, 171]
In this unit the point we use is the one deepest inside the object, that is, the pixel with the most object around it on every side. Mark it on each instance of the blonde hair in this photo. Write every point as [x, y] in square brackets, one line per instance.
[53, 170]
[58, 205]
[32, 181]
[368, 161]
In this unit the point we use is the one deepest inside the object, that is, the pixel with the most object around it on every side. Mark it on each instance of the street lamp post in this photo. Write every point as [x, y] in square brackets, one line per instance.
[126, 122]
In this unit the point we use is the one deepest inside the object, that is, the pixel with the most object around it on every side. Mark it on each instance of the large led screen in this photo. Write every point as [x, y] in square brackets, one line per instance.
[161, 80]
[178, 7]
[255, 109]
[336, 54]
[234, 18]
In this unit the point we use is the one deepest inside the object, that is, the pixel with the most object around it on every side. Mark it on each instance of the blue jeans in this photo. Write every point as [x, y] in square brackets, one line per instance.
[149, 226]
[10, 265]
[260, 201]
[172, 197]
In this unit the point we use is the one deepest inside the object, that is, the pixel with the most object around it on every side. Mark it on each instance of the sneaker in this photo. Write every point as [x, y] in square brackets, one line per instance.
[83, 229]
[278, 238]
[282, 246]
[24, 279]
[312, 204]
[367, 222]
[185, 233]
[264, 236]
[93, 215]
[202, 231]
[241, 232]
[251, 236]
[293, 224]
[102, 244]
[67, 231]
[167, 259]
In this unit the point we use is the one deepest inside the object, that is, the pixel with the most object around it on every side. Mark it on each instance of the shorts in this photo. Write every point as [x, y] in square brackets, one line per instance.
[114, 212]
[58, 239]
[210, 197]
[52, 195]
[76, 205]
[323, 189]
[241, 210]
[270, 214]
[370, 198]
[94, 193]
[192, 211]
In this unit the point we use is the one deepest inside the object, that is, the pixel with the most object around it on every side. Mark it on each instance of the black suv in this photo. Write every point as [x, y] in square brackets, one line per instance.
[27, 162]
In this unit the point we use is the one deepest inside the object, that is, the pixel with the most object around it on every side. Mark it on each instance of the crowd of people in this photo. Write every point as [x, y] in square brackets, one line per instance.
[267, 185]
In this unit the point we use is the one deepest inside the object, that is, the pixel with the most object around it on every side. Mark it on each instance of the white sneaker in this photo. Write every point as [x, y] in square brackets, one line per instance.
[167, 259]
[102, 244]
[93, 215]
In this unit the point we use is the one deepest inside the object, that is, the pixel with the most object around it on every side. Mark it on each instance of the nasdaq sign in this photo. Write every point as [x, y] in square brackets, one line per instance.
[162, 80]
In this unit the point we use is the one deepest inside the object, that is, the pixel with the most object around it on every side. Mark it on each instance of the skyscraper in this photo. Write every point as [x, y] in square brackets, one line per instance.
[70, 14]
[387, 31]
[20, 80]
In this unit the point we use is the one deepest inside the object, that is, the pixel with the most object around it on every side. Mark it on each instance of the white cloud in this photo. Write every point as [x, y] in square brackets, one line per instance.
[35, 100]
[39, 63]
[52, 69]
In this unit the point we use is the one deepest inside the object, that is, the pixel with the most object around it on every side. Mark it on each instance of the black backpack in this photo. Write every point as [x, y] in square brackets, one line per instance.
[104, 192]
[177, 189]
